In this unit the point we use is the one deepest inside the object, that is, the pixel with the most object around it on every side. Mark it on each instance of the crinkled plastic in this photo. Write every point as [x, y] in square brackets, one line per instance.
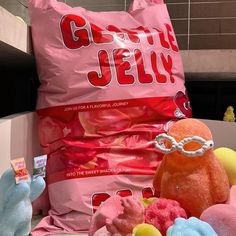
[110, 82]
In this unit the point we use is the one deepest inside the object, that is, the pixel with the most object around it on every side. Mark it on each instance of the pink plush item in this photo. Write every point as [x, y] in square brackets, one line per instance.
[162, 214]
[119, 214]
[132, 215]
[196, 182]
[222, 218]
[109, 209]
[232, 196]
[102, 232]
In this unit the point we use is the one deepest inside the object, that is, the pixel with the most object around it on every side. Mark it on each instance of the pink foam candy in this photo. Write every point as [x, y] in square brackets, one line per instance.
[132, 215]
[222, 218]
[162, 213]
[119, 215]
[109, 209]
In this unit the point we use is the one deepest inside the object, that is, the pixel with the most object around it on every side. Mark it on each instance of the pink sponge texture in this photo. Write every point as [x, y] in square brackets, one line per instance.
[109, 209]
[117, 216]
[162, 213]
[132, 215]
[222, 218]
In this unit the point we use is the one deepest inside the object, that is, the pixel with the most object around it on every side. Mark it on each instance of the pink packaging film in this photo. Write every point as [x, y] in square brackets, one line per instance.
[110, 82]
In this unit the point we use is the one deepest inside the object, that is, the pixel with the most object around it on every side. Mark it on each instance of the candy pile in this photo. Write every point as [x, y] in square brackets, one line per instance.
[125, 216]
[192, 188]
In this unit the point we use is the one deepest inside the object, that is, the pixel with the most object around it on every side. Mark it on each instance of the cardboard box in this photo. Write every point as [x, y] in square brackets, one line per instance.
[223, 133]
[5, 142]
[18, 138]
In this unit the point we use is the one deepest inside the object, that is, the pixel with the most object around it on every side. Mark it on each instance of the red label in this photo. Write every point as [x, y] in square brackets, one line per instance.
[78, 33]
[99, 198]
[157, 103]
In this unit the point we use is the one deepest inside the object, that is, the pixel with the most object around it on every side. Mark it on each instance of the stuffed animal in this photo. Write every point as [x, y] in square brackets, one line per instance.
[190, 173]
[229, 114]
[15, 203]
[191, 226]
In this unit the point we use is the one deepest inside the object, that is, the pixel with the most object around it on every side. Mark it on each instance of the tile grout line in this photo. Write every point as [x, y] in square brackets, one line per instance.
[199, 3]
[207, 34]
[206, 18]
[189, 22]
[125, 5]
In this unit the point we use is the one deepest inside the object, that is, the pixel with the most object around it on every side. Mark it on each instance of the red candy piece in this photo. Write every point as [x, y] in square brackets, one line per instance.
[162, 213]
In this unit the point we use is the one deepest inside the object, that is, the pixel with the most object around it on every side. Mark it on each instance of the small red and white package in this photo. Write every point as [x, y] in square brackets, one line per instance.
[110, 82]
[21, 173]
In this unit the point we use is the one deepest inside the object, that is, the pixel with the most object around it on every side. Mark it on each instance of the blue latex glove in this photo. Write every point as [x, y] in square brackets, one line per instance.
[190, 227]
[15, 204]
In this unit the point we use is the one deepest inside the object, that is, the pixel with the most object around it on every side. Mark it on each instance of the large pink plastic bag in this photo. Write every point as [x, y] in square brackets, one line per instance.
[110, 82]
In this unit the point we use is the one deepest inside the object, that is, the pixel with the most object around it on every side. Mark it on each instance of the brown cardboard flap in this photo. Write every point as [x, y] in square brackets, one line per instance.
[224, 133]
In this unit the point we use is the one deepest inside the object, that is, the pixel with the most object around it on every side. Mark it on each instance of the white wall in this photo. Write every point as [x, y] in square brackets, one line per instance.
[18, 138]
